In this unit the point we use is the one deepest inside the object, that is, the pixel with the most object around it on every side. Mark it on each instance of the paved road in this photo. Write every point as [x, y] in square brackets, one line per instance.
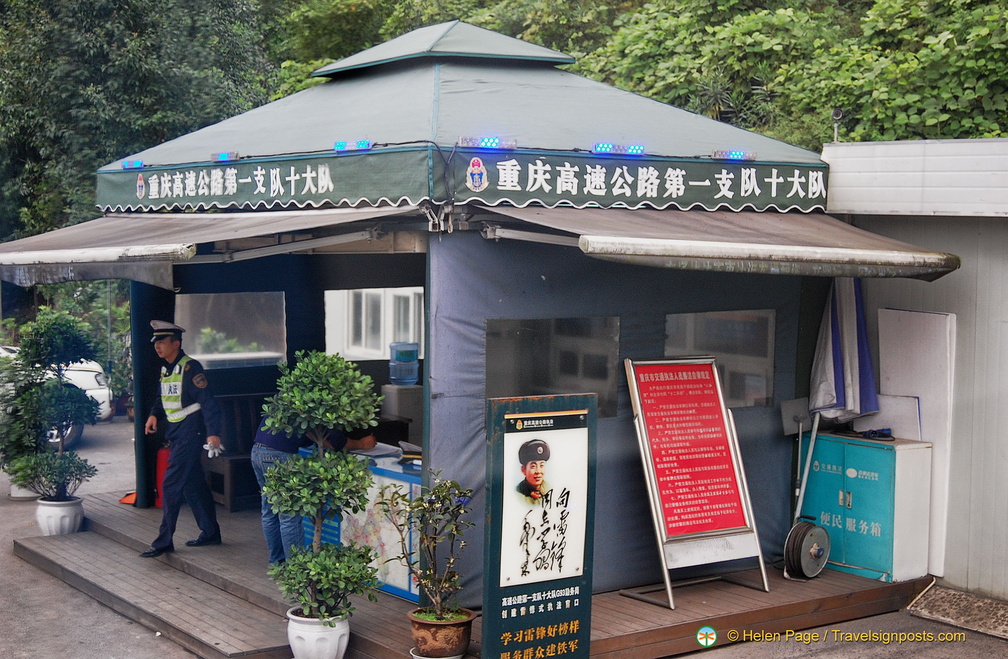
[42, 617]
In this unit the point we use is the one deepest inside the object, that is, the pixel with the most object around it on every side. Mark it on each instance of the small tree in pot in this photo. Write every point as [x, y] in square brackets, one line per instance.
[321, 394]
[430, 529]
[37, 410]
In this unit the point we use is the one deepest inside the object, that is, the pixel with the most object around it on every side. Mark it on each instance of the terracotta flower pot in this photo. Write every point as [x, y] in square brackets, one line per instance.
[441, 639]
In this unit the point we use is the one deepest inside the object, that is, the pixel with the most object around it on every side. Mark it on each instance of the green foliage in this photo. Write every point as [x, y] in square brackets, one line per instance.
[83, 83]
[23, 422]
[53, 475]
[293, 77]
[324, 485]
[434, 521]
[103, 308]
[36, 399]
[407, 15]
[319, 394]
[917, 70]
[575, 27]
[322, 582]
[54, 339]
[900, 69]
[334, 29]
[213, 341]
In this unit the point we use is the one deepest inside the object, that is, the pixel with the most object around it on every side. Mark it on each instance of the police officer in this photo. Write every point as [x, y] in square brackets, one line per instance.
[533, 455]
[191, 417]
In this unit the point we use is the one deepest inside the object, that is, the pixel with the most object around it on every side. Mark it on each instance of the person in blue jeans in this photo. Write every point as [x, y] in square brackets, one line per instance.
[283, 532]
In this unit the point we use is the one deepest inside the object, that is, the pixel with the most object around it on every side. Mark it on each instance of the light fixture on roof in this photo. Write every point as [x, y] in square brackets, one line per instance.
[733, 154]
[487, 142]
[225, 156]
[132, 164]
[608, 148]
[354, 145]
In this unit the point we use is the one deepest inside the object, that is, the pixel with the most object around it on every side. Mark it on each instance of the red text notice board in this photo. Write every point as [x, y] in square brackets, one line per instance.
[699, 499]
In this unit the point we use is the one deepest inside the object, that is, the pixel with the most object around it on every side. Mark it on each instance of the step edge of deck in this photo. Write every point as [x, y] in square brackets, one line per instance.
[28, 549]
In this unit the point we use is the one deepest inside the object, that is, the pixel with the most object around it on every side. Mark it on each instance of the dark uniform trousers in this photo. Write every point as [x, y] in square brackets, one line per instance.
[184, 481]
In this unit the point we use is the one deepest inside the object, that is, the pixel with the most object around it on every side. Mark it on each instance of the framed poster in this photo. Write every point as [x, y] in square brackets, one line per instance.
[539, 526]
[699, 499]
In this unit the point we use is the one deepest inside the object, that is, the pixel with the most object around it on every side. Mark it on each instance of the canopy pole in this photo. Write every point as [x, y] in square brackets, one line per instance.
[808, 465]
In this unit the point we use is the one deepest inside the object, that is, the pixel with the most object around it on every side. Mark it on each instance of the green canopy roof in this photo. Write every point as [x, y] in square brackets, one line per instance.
[454, 39]
[414, 97]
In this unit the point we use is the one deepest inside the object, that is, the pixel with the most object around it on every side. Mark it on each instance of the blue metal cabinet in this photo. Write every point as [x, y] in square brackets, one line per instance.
[873, 498]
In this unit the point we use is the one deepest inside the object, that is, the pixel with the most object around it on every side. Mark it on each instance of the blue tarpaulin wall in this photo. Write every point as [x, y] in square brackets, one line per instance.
[471, 280]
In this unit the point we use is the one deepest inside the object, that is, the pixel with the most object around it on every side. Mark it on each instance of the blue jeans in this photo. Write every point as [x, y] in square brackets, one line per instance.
[282, 531]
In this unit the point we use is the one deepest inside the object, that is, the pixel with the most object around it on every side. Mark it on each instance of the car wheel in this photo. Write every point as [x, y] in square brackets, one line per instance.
[70, 437]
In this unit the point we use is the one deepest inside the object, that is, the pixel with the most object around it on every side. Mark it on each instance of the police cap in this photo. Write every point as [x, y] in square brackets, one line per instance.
[163, 328]
[535, 449]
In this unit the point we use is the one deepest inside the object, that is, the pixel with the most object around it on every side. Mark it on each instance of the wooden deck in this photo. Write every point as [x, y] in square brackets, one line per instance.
[219, 602]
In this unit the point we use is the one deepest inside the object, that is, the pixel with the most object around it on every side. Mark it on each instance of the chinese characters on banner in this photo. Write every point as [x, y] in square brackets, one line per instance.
[491, 178]
[689, 448]
[638, 182]
[537, 583]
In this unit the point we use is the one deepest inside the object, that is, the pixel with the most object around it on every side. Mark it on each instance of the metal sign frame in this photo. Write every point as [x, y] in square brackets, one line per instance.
[685, 429]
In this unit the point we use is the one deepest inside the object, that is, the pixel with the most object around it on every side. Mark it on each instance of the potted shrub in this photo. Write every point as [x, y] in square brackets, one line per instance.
[38, 404]
[319, 395]
[430, 529]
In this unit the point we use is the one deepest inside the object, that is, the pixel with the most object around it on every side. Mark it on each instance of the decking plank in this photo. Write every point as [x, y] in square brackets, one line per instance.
[621, 626]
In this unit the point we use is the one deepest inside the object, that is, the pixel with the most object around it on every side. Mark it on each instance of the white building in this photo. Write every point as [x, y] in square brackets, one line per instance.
[950, 195]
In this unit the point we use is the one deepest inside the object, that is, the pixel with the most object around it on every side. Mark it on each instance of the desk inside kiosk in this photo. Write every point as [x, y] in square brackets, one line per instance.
[230, 477]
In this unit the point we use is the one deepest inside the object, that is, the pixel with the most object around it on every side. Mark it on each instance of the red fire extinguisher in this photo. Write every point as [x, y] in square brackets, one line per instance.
[162, 466]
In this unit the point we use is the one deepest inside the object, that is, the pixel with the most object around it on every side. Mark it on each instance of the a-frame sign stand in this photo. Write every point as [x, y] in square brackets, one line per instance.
[696, 484]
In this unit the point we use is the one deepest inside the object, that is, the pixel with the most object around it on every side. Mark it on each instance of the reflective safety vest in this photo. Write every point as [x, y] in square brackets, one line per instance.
[171, 392]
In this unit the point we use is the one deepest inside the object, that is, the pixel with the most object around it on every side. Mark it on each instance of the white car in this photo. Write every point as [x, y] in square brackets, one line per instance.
[88, 376]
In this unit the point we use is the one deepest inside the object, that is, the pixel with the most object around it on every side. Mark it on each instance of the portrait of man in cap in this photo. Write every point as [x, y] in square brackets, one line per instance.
[533, 455]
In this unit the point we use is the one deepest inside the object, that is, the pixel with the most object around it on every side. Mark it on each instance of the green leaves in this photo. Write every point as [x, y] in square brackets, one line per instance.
[431, 521]
[320, 393]
[34, 397]
[54, 476]
[83, 83]
[322, 582]
[900, 69]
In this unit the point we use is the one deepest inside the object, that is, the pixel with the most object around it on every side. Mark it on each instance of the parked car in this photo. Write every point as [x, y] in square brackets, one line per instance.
[88, 376]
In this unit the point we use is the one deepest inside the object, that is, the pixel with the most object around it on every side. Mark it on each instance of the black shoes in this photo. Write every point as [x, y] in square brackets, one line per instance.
[202, 542]
[154, 552]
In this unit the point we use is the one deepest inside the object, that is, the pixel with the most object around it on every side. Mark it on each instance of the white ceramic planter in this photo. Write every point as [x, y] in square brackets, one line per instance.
[60, 517]
[18, 493]
[310, 638]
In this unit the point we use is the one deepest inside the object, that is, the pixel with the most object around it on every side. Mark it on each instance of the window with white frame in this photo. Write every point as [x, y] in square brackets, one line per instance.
[361, 323]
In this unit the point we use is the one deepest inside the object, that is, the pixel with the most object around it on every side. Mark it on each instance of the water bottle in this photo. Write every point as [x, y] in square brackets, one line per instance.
[403, 364]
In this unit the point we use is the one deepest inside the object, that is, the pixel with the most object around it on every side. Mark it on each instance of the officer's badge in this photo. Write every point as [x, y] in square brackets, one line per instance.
[141, 187]
[476, 176]
[200, 381]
